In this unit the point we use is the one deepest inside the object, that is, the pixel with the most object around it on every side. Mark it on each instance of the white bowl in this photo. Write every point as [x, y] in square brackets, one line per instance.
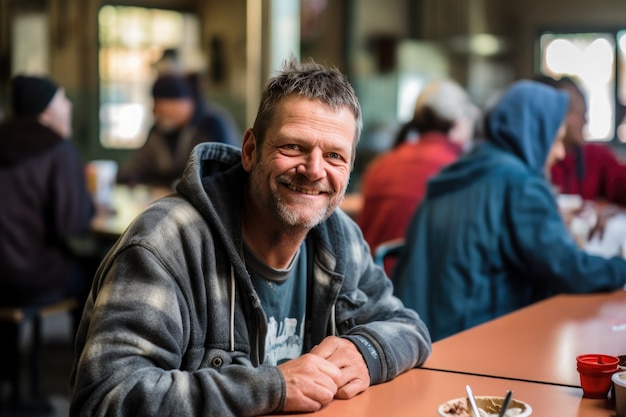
[460, 407]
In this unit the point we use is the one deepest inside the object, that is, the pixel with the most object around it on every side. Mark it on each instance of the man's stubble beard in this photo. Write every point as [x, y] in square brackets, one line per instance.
[275, 204]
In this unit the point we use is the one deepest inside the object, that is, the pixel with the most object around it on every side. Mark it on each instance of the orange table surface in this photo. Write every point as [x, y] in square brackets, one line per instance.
[419, 392]
[540, 342]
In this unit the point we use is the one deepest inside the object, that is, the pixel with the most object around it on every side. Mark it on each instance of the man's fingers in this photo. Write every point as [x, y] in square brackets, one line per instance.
[351, 389]
[326, 348]
[354, 377]
[311, 382]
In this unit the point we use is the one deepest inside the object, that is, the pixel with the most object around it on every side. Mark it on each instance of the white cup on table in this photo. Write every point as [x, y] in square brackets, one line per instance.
[101, 177]
[619, 384]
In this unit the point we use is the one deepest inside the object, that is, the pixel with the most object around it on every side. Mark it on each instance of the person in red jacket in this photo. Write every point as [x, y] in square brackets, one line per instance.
[590, 170]
[394, 183]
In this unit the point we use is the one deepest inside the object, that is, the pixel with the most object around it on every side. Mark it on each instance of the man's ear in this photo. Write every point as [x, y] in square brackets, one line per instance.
[248, 150]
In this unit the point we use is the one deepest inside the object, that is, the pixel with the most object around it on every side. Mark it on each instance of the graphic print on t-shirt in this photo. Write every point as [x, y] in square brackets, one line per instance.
[282, 293]
[284, 340]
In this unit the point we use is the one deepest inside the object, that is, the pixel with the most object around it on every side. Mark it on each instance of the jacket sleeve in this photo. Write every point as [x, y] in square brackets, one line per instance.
[135, 357]
[539, 245]
[374, 319]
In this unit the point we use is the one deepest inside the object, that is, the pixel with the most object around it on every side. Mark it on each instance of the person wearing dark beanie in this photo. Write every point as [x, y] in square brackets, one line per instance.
[31, 95]
[172, 86]
[182, 120]
[45, 203]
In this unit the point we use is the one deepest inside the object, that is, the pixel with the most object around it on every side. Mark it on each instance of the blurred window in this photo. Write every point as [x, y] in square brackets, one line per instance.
[597, 62]
[132, 39]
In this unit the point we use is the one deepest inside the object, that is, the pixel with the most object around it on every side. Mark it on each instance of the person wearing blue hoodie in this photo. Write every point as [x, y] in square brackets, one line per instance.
[488, 238]
[248, 292]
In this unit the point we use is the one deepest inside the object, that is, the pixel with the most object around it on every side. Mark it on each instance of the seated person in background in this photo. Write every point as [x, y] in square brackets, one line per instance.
[247, 292]
[45, 202]
[45, 198]
[181, 121]
[394, 183]
[488, 239]
[590, 170]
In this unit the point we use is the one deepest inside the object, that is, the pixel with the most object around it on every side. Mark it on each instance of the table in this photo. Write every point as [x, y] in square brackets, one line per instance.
[540, 342]
[110, 222]
[418, 393]
[352, 204]
[128, 203]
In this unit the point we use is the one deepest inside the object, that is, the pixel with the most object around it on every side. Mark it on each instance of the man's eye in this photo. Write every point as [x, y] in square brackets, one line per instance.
[290, 149]
[334, 155]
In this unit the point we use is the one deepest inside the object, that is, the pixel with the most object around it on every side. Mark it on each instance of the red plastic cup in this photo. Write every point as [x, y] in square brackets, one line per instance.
[595, 373]
[597, 362]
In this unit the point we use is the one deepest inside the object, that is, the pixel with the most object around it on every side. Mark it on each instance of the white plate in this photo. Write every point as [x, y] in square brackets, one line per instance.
[489, 404]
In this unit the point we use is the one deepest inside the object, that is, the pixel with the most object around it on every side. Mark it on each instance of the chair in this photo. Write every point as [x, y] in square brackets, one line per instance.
[386, 252]
[19, 317]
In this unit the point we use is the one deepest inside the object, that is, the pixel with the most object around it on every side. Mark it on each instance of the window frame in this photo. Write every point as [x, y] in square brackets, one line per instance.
[146, 100]
[614, 32]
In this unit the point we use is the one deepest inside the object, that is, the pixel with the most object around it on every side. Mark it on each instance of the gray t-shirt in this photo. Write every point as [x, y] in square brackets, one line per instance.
[283, 297]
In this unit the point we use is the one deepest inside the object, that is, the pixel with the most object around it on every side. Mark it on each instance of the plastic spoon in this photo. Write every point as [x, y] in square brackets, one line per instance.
[472, 400]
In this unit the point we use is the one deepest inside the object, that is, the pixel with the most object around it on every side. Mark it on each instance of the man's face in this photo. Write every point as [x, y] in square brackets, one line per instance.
[300, 173]
[58, 114]
[172, 114]
[576, 119]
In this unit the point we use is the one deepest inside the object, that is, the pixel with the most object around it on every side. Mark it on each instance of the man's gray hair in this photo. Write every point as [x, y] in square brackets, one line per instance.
[308, 80]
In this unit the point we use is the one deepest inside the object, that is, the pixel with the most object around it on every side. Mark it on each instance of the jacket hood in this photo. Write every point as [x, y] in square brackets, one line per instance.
[205, 184]
[520, 129]
[525, 121]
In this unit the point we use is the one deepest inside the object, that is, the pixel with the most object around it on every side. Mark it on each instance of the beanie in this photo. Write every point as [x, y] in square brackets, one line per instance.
[172, 86]
[31, 95]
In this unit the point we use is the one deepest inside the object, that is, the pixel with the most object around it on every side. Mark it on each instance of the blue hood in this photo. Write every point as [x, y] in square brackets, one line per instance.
[520, 128]
[525, 121]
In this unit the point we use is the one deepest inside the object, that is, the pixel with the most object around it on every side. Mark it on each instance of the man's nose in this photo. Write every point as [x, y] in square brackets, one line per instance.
[312, 166]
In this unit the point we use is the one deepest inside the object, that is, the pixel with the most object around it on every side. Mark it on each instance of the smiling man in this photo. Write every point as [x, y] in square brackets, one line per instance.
[248, 292]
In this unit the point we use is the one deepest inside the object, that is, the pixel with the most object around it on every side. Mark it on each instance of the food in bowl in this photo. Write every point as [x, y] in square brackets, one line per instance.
[488, 406]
